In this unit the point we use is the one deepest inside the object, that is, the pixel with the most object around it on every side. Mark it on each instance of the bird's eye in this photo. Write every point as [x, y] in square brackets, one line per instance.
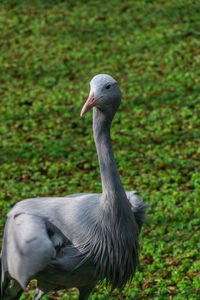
[108, 86]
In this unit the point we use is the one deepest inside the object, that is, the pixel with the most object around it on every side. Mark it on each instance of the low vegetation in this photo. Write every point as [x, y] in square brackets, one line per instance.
[49, 52]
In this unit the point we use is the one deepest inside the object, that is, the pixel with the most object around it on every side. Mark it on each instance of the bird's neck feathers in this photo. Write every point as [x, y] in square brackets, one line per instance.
[113, 194]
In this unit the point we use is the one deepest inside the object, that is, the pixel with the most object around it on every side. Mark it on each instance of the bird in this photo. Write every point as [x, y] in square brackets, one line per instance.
[80, 239]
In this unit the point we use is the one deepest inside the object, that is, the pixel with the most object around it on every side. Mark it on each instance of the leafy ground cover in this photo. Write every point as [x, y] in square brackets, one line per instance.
[49, 52]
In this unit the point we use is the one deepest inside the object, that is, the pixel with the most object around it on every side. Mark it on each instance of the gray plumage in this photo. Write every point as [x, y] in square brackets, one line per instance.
[77, 240]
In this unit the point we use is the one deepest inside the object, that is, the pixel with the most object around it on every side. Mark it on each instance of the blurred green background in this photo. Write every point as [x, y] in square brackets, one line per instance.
[49, 52]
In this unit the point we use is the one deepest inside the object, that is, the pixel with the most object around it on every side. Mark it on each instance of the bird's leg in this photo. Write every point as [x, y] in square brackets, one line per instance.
[85, 292]
[38, 294]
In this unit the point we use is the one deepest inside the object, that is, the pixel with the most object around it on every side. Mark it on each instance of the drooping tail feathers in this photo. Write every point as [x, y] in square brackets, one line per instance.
[138, 207]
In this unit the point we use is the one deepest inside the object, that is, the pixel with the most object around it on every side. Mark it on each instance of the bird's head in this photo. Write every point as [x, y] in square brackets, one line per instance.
[104, 94]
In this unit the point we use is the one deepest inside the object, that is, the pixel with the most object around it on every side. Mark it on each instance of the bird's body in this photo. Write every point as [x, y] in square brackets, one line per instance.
[75, 241]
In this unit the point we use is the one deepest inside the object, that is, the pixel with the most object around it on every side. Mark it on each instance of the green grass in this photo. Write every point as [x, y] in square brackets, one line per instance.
[50, 50]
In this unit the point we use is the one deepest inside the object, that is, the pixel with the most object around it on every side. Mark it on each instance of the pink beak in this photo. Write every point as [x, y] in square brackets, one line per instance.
[91, 101]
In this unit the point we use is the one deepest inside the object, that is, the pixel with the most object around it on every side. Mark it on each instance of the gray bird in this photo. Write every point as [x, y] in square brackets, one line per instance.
[77, 240]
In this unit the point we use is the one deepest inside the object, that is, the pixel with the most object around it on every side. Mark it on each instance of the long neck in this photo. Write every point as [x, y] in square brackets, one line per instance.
[113, 193]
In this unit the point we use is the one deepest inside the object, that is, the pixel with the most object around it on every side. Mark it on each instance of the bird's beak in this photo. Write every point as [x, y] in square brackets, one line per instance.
[91, 101]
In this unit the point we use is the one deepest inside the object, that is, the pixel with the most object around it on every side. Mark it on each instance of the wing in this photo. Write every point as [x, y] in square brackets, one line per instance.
[40, 237]
[28, 249]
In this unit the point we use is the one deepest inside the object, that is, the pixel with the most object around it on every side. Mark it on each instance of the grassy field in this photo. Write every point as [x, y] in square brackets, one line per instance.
[49, 52]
